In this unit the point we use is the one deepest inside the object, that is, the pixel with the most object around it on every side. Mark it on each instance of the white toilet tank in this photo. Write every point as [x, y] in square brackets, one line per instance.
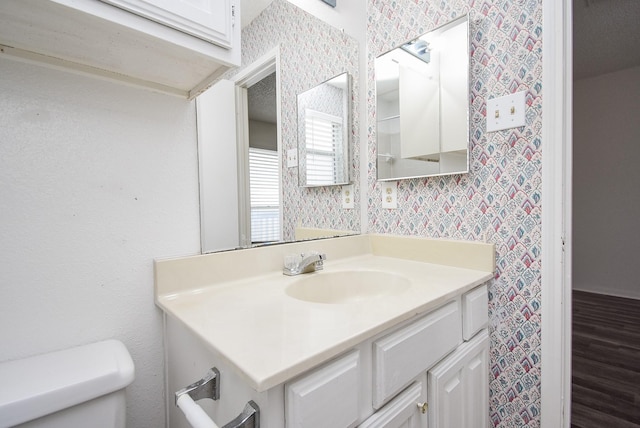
[77, 387]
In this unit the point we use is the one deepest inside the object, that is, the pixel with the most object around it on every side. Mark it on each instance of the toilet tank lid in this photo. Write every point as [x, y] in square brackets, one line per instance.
[37, 386]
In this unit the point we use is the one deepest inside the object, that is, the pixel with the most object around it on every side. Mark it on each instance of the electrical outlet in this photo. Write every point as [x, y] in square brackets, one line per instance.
[389, 194]
[347, 197]
[292, 158]
[505, 112]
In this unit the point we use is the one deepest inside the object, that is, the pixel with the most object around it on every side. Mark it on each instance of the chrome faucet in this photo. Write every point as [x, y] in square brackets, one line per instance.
[303, 263]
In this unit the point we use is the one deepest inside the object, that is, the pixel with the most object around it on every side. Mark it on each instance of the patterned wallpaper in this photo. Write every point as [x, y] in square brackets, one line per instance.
[499, 200]
[311, 52]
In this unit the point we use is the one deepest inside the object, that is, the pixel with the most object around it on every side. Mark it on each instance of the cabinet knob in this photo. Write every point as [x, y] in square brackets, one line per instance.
[423, 407]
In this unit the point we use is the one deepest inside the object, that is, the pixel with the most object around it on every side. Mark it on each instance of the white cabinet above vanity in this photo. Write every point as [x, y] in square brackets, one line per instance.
[177, 47]
[392, 359]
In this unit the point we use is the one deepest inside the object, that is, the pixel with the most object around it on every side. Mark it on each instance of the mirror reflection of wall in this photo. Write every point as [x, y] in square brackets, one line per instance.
[217, 159]
[238, 151]
[307, 51]
[422, 105]
[264, 174]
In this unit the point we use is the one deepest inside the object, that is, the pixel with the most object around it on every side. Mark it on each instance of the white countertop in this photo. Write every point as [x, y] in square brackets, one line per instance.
[270, 337]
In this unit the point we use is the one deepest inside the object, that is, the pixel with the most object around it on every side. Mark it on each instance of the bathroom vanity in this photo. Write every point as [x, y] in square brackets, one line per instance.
[392, 332]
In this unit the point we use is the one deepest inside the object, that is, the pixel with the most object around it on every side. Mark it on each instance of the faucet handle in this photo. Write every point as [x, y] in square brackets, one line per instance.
[318, 257]
[322, 256]
[292, 261]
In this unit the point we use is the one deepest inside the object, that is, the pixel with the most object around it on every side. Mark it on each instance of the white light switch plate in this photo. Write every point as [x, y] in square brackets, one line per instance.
[505, 112]
[347, 197]
[389, 194]
[292, 158]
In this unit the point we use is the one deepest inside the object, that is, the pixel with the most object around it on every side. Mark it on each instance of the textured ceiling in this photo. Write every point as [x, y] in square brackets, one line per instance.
[606, 36]
[261, 98]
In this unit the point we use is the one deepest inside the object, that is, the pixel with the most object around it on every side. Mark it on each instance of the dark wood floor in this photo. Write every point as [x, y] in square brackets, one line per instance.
[606, 362]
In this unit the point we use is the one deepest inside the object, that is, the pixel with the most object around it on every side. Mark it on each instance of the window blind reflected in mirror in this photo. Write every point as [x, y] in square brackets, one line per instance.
[323, 139]
[265, 198]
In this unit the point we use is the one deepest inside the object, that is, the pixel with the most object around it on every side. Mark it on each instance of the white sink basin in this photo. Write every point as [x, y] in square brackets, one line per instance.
[346, 286]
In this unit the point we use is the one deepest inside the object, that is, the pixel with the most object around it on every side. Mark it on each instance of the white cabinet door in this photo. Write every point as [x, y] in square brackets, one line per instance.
[459, 387]
[210, 20]
[419, 113]
[125, 41]
[407, 410]
[454, 84]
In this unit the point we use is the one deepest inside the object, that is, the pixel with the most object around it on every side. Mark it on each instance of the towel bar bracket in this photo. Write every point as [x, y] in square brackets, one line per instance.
[249, 418]
[207, 387]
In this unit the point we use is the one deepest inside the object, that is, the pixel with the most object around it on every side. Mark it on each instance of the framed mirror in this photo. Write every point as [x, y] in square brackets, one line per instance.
[324, 129]
[422, 105]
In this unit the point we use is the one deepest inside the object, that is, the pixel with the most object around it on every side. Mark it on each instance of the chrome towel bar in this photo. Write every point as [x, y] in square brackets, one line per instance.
[209, 387]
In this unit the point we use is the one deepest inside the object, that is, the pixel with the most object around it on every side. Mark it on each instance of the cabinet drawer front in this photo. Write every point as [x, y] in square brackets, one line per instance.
[475, 309]
[328, 397]
[402, 411]
[404, 354]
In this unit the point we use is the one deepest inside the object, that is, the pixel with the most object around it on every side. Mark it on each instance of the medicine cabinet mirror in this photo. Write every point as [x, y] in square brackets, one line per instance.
[324, 129]
[422, 105]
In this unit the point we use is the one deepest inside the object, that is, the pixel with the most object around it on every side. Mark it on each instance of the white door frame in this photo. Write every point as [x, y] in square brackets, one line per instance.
[556, 214]
[248, 76]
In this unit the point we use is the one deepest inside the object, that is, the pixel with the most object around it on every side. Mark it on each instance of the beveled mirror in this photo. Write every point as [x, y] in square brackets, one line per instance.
[323, 133]
[422, 105]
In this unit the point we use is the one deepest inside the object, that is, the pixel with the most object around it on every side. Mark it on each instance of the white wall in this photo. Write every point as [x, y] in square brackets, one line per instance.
[96, 180]
[606, 180]
[263, 135]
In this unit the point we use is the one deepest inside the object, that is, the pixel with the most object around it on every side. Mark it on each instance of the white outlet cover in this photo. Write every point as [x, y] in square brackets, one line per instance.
[292, 158]
[347, 197]
[389, 194]
[506, 112]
